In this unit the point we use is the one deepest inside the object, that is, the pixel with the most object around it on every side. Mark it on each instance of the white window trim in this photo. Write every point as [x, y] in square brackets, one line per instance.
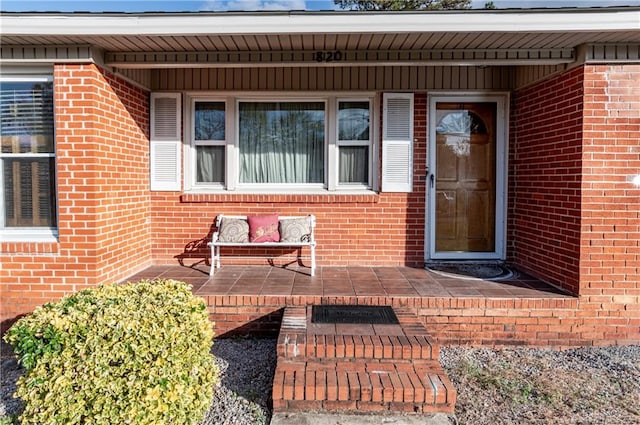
[369, 143]
[190, 147]
[27, 234]
[283, 187]
[232, 101]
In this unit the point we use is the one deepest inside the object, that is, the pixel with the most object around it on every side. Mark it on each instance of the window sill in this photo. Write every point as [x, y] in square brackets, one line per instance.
[29, 235]
[28, 242]
[293, 197]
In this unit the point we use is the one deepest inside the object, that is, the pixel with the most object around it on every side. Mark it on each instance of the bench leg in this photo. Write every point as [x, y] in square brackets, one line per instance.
[213, 261]
[313, 260]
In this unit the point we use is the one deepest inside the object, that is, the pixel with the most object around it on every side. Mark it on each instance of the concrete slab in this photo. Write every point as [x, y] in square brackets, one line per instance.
[303, 418]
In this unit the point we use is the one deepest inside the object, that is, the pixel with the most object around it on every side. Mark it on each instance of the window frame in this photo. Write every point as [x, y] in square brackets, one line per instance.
[232, 158]
[195, 143]
[30, 233]
[368, 143]
[278, 186]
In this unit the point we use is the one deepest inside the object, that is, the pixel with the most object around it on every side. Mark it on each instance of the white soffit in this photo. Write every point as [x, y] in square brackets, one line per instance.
[150, 24]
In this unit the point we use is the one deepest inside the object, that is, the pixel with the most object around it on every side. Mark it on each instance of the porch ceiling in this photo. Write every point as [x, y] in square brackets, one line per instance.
[308, 31]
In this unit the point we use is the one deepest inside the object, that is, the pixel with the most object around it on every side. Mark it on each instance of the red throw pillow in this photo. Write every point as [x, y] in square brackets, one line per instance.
[263, 228]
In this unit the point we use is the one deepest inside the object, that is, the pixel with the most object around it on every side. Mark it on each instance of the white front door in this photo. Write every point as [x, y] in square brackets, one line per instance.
[466, 181]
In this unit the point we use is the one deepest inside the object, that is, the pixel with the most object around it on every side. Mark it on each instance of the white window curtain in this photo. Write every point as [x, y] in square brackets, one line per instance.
[281, 142]
[210, 164]
[354, 164]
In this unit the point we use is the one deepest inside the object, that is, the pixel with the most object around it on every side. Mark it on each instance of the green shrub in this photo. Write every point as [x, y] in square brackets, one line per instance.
[137, 353]
[6, 420]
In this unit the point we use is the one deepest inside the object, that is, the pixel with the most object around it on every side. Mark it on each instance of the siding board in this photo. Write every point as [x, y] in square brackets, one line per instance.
[612, 52]
[413, 77]
[525, 75]
[345, 78]
[45, 53]
[219, 78]
[138, 76]
[337, 76]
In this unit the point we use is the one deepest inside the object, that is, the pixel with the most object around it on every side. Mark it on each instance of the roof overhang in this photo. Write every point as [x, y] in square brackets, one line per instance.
[229, 23]
[276, 39]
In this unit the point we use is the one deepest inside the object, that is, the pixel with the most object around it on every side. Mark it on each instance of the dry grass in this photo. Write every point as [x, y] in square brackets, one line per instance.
[540, 386]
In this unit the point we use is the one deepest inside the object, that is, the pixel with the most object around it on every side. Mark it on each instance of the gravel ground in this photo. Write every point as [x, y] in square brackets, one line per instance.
[10, 372]
[540, 386]
[243, 397]
[511, 386]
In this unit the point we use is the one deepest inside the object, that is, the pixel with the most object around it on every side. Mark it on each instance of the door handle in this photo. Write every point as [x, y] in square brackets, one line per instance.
[432, 180]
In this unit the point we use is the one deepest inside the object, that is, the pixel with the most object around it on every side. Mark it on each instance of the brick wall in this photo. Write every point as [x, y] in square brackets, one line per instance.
[610, 240]
[558, 322]
[545, 178]
[576, 214]
[121, 129]
[476, 321]
[103, 198]
[382, 229]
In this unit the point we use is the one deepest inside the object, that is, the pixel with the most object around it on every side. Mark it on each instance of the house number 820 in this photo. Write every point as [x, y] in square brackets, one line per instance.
[328, 56]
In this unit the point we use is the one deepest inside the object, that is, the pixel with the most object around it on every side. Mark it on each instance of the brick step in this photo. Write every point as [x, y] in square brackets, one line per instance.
[416, 386]
[299, 337]
[338, 367]
[295, 345]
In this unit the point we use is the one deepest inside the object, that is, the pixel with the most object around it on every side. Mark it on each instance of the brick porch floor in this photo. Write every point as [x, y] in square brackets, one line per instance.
[346, 282]
[251, 299]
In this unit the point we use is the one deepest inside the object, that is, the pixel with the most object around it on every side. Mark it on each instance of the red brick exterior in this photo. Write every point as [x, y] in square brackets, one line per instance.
[387, 234]
[102, 155]
[544, 179]
[610, 228]
[382, 229]
[574, 217]
[552, 322]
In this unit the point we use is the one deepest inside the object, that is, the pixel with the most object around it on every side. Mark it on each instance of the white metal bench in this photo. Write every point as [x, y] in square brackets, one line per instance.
[215, 244]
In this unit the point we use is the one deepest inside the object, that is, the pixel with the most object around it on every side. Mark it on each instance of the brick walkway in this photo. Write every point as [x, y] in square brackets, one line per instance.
[347, 367]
